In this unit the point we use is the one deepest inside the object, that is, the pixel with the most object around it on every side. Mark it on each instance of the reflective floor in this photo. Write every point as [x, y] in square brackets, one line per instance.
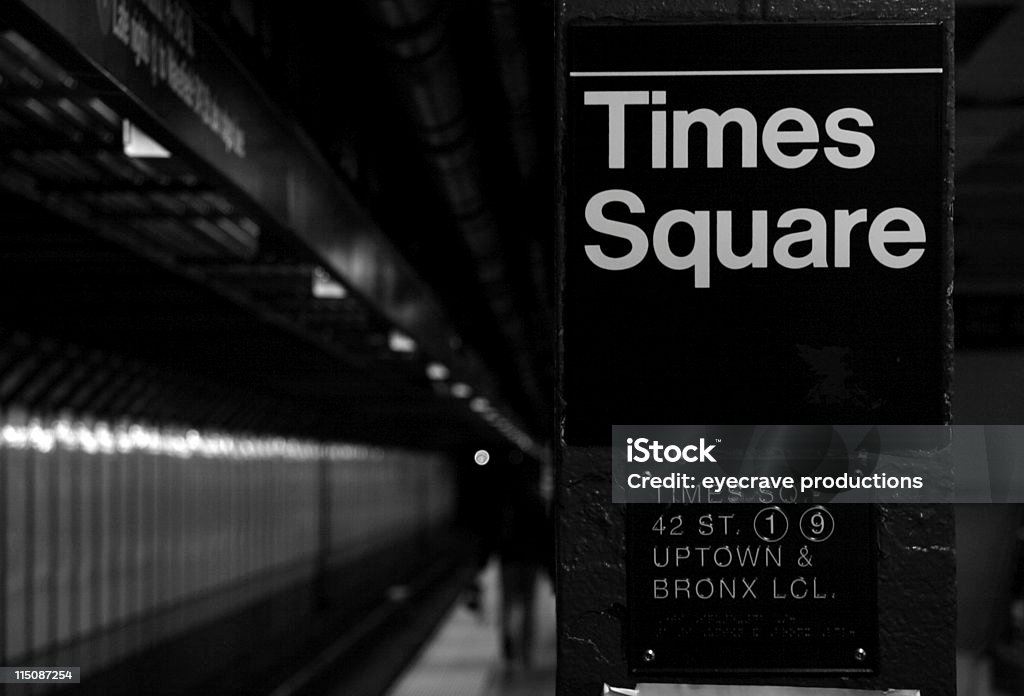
[974, 675]
[464, 657]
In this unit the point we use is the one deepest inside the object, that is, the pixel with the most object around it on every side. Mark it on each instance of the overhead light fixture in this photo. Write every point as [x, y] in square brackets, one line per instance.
[479, 405]
[401, 343]
[325, 287]
[461, 390]
[138, 143]
[437, 372]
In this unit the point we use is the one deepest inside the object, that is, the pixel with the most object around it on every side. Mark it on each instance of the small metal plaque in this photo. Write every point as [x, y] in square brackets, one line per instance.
[751, 588]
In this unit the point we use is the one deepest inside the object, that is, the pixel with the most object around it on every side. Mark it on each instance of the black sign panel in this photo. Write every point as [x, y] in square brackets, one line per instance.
[754, 225]
[751, 588]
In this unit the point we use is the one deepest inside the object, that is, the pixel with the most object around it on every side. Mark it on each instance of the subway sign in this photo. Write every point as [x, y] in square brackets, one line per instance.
[753, 216]
[750, 589]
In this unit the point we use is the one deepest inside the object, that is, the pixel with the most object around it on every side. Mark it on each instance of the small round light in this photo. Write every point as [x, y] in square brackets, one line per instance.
[437, 372]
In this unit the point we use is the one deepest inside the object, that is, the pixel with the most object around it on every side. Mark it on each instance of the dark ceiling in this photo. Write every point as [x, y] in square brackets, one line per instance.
[152, 262]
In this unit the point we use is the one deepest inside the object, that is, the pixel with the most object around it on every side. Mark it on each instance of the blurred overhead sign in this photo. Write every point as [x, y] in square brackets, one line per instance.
[196, 100]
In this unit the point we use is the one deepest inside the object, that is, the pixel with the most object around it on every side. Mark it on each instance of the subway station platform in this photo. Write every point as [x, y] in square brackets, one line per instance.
[280, 334]
[464, 657]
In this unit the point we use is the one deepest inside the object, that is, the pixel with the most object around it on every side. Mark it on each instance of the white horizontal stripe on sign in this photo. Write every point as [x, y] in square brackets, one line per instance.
[729, 73]
[701, 690]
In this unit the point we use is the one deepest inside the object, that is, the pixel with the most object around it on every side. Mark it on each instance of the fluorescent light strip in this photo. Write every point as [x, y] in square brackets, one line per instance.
[45, 435]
